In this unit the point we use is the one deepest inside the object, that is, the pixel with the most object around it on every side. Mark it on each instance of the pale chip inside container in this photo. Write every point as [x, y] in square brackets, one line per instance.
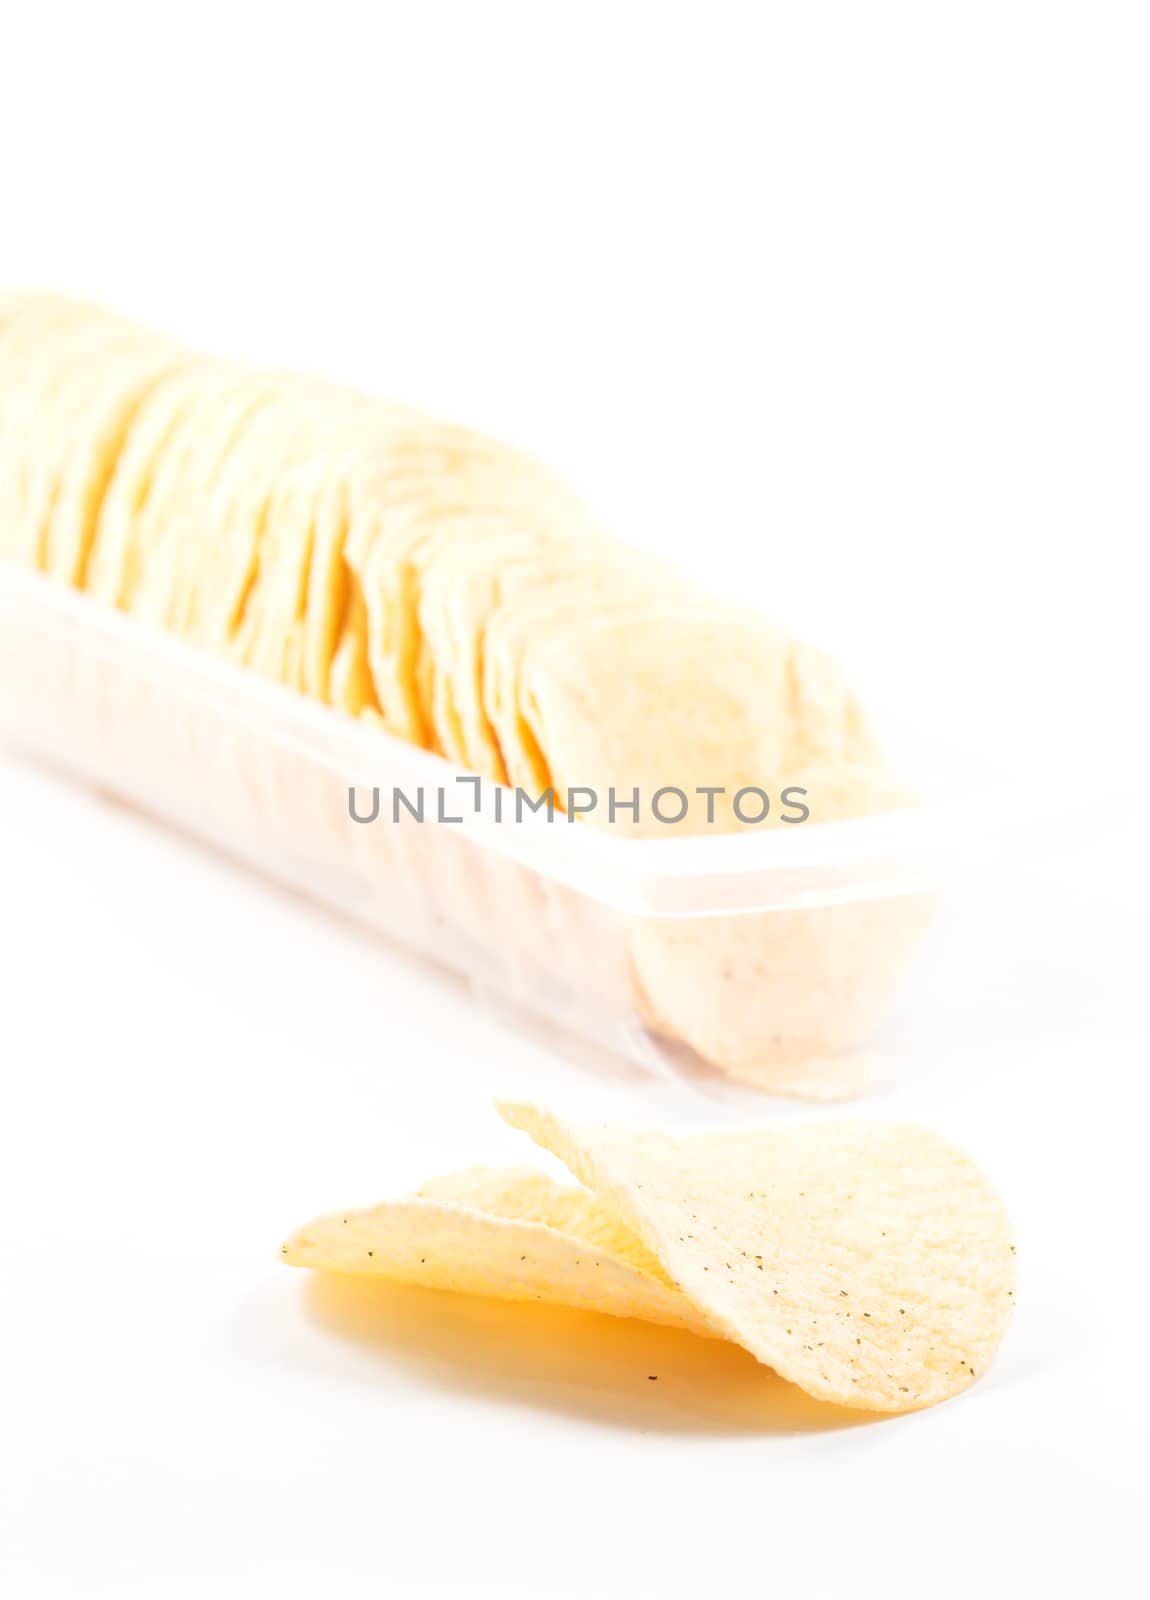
[786, 999]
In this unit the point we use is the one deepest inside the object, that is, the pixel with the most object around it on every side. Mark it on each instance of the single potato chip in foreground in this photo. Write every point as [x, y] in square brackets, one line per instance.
[869, 1263]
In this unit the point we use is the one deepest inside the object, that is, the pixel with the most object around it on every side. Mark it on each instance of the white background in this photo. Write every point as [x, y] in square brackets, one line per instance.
[848, 309]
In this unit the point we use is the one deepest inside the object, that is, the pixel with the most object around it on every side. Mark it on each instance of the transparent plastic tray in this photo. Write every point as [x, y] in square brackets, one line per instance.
[814, 960]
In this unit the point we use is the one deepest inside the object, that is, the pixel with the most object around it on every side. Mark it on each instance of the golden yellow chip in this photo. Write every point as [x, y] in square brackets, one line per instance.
[116, 565]
[420, 500]
[71, 380]
[536, 609]
[869, 1263]
[174, 537]
[677, 692]
[239, 520]
[492, 1234]
[446, 671]
[464, 590]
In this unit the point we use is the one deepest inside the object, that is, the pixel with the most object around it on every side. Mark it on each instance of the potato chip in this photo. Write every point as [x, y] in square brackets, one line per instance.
[870, 1263]
[495, 1237]
[414, 516]
[464, 597]
[174, 535]
[91, 390]
[272, 497]
[492, 540]
[599, 586]
[680, 692]
[116, 563]
[70, 383]
[787, 999]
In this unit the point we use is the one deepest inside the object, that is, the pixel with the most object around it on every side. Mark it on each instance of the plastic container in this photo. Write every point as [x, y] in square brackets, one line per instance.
[813, 960]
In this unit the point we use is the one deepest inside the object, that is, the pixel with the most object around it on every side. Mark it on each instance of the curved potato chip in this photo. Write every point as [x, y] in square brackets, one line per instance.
[869, 1263]
[779, 998]
[451, 1236]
